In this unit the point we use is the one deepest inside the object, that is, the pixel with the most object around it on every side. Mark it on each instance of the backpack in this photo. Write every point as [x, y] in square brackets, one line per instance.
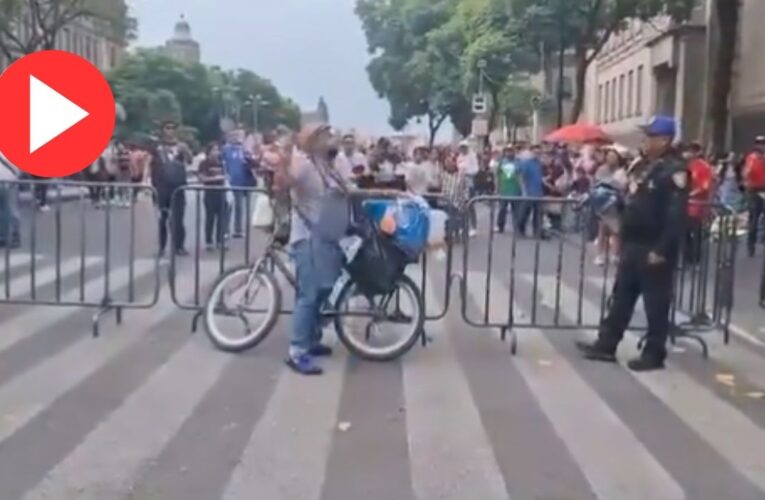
[173, 170]
[755, 171]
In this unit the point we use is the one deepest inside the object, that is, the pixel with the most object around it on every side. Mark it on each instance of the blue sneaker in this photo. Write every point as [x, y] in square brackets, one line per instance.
[304, 365]
[320, 351]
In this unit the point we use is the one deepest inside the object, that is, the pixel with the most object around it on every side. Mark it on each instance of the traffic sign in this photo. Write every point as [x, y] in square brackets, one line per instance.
[479, 104]
[58, 113]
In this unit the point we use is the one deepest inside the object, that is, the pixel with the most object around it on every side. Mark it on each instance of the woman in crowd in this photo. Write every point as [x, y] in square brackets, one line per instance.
[213, 173]
[611, 172]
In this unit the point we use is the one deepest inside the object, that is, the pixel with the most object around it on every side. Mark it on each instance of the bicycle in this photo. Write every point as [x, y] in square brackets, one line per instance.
[260, 275]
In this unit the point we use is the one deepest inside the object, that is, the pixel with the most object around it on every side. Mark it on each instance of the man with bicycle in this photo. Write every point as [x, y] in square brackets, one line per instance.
[320, 218]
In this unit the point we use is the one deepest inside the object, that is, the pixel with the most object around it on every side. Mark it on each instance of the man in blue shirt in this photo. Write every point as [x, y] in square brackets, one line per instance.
[530, 179]
[238, 164]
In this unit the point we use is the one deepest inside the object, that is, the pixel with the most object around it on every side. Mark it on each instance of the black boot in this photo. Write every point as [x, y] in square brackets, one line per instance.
[596, 352]
[645, 364]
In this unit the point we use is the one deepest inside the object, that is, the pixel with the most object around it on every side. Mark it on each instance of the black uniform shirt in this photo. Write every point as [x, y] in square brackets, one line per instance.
[655, 207]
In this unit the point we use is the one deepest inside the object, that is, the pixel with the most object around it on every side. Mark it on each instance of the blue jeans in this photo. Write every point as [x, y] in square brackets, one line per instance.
[318, 266]
[240, 205]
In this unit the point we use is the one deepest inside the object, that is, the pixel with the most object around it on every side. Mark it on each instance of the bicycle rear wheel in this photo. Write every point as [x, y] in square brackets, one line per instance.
[236, 298]
[365, 324]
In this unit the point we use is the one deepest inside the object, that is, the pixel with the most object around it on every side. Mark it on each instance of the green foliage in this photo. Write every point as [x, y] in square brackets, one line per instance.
[153, 87]
[586, 25]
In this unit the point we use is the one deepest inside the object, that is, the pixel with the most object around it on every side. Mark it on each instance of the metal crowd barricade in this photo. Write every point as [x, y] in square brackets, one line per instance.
[83, 261]
[208, 211]
[553, 268]
[206, 264]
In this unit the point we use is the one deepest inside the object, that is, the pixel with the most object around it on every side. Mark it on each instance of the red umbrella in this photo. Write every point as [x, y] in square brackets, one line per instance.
[578, 132]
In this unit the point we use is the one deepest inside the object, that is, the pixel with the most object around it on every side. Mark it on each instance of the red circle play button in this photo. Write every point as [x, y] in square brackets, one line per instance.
[58, 113]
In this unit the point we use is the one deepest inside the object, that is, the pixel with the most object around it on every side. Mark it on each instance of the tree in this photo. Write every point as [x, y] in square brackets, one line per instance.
[493, 48]
[516, 103]
[585, 26]
[151, 86]
[27, 26]
[414, 65]
[727, 15]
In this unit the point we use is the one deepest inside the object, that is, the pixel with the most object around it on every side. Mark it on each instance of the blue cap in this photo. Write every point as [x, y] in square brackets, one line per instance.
[660, 126]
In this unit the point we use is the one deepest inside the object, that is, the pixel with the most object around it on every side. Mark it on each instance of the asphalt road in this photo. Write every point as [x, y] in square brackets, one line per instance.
[149, 411]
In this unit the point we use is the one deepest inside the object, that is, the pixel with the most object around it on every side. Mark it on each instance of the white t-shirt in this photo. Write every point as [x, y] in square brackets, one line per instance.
[468, 163]
[417, 177]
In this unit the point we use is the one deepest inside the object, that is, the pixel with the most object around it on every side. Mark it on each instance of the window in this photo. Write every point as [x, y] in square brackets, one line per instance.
[599, 105]
[112, 56]
[606, 98]
[66, 39]
[621, 97]
[613, 100]
[630, 92]
[639, 95]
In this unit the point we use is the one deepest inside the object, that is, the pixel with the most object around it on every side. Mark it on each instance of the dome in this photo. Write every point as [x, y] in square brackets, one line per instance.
[182, 30]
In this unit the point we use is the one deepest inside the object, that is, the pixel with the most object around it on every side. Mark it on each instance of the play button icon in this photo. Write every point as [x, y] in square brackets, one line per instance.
[50, 114]
[58, 113]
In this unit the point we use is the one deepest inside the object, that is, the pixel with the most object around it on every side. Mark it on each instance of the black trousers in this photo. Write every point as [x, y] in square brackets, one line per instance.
[756, 210]
[41, 194]
[172, 211]
[635, 278]
[695, 238]
[216, 216]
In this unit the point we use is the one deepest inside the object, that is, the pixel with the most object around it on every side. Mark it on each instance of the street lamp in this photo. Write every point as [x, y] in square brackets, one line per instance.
[256, 101]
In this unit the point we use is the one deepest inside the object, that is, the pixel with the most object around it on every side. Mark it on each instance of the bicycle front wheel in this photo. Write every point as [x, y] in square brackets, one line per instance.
[382, 327]
[242, 308]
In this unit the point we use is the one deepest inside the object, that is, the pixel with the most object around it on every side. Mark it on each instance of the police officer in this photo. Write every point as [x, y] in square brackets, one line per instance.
[651, 232]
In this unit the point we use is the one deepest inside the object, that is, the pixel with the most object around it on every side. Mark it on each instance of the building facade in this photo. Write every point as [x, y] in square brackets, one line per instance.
[747, 101]
[85, 37]
[650, 68]
[182, 46]
[318, 116]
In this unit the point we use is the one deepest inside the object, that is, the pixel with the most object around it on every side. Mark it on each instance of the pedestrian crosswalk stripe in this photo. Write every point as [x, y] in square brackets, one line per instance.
[450, 455]
[287, 452]
[726, 429]
[28, 324]
[746, 362]
[613, 460]
[99, 467]
[21, 286]
[15, 260]
[22, 398]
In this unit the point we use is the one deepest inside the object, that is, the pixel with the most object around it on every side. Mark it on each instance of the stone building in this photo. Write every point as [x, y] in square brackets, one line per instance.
[182, 46]
[650, 68]
[85, 37]
[747, 101]
[319, 115]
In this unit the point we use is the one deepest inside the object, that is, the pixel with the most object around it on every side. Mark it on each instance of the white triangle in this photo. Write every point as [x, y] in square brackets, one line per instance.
[50, 114]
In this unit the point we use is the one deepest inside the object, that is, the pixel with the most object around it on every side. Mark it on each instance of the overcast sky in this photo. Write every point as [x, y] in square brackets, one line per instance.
[308, 48]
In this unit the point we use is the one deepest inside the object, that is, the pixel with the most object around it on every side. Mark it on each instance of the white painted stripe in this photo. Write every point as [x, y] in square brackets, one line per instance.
[15, 260]
[611, 457]
[28, 394]
[743, 361]
[21, 286]
[450, 455]
[33, 321]
[288, 450]
[107, 462]
[726, 429]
